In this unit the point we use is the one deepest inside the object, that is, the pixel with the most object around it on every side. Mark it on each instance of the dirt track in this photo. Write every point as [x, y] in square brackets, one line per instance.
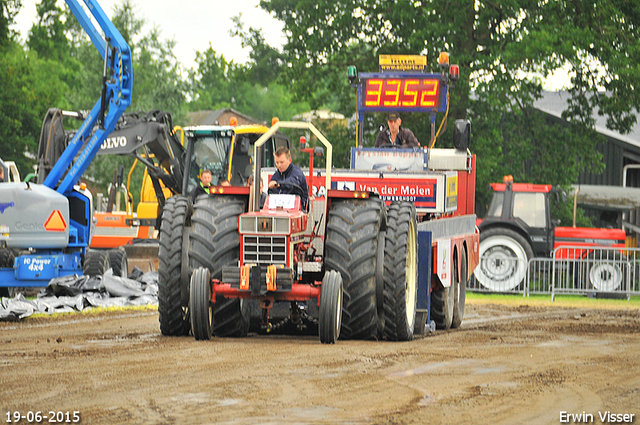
[506, 365]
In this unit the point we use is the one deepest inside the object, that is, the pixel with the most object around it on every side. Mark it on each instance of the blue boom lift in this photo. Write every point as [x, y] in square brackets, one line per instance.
[45, 229]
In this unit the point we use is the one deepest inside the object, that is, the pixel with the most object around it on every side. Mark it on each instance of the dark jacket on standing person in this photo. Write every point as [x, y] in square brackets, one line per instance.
[405, 138]
[293, 174]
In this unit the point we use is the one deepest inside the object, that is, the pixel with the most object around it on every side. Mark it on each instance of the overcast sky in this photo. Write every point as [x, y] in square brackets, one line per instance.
[193, 24]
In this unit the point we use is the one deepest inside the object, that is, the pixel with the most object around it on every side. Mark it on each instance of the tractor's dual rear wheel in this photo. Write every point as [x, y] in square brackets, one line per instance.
[401, 272]
[351, 248]
[172, 279]
[331, 297]
[200, 304]
[214, 242]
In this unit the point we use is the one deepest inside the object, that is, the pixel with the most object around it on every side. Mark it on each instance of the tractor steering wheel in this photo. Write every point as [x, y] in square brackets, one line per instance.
[288, 184]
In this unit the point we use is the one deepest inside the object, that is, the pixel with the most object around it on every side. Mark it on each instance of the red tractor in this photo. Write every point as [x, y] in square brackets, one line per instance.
[222, 254]
[518, 227]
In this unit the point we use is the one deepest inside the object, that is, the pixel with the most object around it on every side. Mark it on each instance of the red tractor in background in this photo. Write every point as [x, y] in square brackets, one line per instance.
[518, 227]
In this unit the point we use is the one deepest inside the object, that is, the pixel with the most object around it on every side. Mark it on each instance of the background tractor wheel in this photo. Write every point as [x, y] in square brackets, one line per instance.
[504, 258]
[214, 242]
[606, 272]
[172, 279]
[351, 245]
[401, 274]
[200, 303]
[118, 262]
[330, 319]
[96, 263]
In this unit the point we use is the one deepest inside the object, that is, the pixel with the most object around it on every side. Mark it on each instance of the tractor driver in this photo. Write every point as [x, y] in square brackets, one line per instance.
[204, 186]
[1, 174]
[393, 135]
[289, 178]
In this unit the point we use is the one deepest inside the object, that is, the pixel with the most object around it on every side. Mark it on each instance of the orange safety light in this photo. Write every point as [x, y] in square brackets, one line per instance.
[233, 121]
[303, 142]
[245, 272]
[508, 179]
[272, 272]
[275, 120]
[454, 73]
[443, 59]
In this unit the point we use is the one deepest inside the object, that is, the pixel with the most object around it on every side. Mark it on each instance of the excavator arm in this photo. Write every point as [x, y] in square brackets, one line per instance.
[147, 136]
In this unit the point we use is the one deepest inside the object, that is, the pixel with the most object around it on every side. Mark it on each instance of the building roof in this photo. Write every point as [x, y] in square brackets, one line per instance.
[323, 114]
[554, 103]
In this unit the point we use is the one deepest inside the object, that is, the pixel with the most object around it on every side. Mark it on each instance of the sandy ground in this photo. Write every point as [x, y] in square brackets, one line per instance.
[505, 365]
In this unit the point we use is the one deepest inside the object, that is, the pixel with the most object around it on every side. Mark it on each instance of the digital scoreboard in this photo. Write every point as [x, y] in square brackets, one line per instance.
[402, 92]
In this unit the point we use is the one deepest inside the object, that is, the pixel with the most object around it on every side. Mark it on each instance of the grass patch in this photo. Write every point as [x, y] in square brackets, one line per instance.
[577, 301]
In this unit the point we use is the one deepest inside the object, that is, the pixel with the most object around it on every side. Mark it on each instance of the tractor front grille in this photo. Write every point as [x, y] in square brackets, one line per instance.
[264, 250]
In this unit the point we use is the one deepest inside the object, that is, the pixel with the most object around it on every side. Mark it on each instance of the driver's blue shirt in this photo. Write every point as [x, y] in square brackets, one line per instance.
[293, 174]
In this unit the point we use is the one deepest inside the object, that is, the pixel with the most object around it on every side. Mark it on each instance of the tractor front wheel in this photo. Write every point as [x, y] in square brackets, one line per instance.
[200, 303]
[607, 273]
[214, 242]
[330, 318]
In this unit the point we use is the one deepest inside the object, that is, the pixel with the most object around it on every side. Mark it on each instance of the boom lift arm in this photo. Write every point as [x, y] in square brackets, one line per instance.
[46, 228]
[117, 86]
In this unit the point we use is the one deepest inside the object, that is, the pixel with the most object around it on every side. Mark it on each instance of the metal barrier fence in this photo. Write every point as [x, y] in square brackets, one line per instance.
[613, 272]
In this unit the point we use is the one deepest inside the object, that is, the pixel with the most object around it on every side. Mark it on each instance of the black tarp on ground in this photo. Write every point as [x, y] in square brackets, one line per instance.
[76, 293]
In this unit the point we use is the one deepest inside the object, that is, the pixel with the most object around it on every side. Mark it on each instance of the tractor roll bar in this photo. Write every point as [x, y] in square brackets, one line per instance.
[266, 136]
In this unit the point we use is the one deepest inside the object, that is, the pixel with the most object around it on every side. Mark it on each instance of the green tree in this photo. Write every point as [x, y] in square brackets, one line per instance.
[158, 84]
[266, 63]
[505, 49]
[8, 11]
[30, 86]
[210, 82]
[47, 37]
[158, 77]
